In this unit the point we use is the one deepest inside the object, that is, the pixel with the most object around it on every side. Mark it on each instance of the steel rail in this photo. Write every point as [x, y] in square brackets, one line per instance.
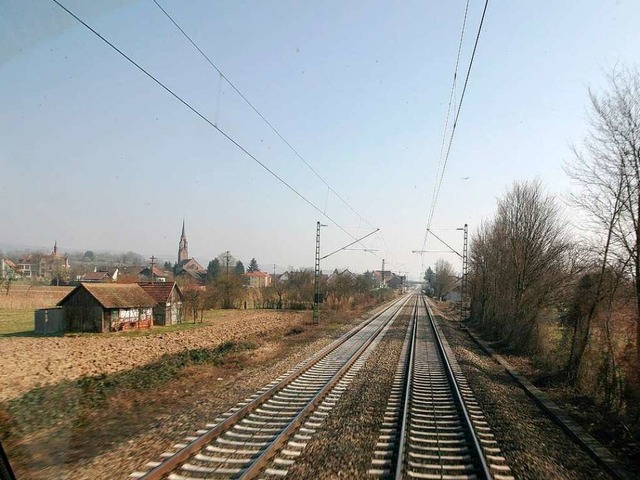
[184, 453]
[482, 468]
[407, 394]
[261, 461]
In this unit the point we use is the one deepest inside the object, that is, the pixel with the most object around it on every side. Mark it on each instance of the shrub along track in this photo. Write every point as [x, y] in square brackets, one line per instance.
[534, 446]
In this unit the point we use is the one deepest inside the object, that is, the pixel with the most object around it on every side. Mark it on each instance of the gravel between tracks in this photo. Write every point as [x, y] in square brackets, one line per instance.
[344, 449]
[535, 447]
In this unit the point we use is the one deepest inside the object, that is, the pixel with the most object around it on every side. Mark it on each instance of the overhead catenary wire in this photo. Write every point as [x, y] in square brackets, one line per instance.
[455, 121]
[446, 123]
[267, 122]
[204, 118]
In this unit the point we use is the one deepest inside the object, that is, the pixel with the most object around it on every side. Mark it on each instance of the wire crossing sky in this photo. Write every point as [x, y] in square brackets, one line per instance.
[439, 169]
[261, 116]
[97, 156]
[434, 201]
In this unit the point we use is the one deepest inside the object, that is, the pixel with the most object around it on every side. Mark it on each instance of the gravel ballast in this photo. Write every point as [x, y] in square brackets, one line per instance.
[343, 447]
[533, 445]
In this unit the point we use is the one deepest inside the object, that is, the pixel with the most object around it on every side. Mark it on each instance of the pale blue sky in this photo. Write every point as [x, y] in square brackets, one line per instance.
[95, 154]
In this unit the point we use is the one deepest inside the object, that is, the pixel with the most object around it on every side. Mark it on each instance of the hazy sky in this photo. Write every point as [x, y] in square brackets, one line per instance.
[95, 154]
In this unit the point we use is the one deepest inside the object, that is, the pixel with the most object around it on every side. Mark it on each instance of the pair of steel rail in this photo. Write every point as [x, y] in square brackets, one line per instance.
[433, 427]
[438, 430]
[246, 439]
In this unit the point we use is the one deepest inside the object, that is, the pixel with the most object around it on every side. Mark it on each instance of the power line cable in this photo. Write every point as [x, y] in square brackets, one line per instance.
[455, 121]
[446, 123]
[211, 124]
[248, 102]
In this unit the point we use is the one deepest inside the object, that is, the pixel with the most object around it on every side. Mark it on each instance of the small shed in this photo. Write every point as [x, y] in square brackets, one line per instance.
[49, 320]
[169, 298]
[107, 307]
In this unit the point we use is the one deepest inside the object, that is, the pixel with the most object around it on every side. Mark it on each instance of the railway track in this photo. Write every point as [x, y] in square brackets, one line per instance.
[433, 427]
[265, 433]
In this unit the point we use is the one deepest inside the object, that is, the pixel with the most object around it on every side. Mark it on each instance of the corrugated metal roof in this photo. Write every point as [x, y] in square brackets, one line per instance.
[159, 291]
[116, 295]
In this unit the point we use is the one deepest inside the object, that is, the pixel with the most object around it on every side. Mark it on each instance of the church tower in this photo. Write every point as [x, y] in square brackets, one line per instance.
[183, 248]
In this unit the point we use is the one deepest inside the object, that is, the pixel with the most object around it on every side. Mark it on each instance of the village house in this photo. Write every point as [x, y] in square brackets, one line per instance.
[169, 301]
[112, 272]
[43, 266]
[95, 277]
[158, 275]
[100, 275]
[338, 274]
[107, 307]
[24, 268]
[53, 264]
[8, 269]
[388, 279]
[258, 279]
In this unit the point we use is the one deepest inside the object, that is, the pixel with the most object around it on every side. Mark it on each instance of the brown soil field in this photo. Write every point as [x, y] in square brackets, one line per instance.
[30, 362]
[110, 403]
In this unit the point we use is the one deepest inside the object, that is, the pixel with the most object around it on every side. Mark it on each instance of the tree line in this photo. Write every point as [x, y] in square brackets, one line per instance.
[293, 290]
[571, 298]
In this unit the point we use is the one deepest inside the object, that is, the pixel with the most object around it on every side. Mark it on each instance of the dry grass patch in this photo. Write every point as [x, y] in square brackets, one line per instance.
[16, 322]
[24, 296]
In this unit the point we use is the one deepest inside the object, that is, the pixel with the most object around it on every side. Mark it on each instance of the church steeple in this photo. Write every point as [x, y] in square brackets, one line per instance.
[183, 246]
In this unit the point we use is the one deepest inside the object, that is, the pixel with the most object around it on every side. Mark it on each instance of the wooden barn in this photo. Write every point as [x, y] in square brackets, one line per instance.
[107, 307]
[169, 299]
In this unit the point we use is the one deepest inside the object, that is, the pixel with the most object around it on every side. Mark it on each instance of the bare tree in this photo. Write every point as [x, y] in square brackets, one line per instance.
[607, 168]
[517, 264]
[444, 279]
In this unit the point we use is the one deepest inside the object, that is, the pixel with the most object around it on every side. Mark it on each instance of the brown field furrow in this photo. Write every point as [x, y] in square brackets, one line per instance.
[30, 362]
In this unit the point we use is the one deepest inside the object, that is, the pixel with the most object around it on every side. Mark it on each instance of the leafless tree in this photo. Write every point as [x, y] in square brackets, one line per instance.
[445, 278]
[517, 264]
[607, 168]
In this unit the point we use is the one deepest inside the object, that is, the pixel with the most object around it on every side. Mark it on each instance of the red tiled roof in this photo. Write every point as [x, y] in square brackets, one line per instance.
[156, 272]
[257, 274]
[115, 295]
[160, 291]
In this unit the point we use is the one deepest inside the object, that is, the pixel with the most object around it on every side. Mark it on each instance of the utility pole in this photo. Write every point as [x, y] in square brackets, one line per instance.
[464, 286]
[382, 275]
[227, 255]
[317, 296]
[316, 279]
[403, 278]
[153, 264]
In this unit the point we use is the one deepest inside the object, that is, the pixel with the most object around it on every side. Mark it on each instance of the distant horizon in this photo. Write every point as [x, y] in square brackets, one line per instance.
[9, 248]
[97, 154]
